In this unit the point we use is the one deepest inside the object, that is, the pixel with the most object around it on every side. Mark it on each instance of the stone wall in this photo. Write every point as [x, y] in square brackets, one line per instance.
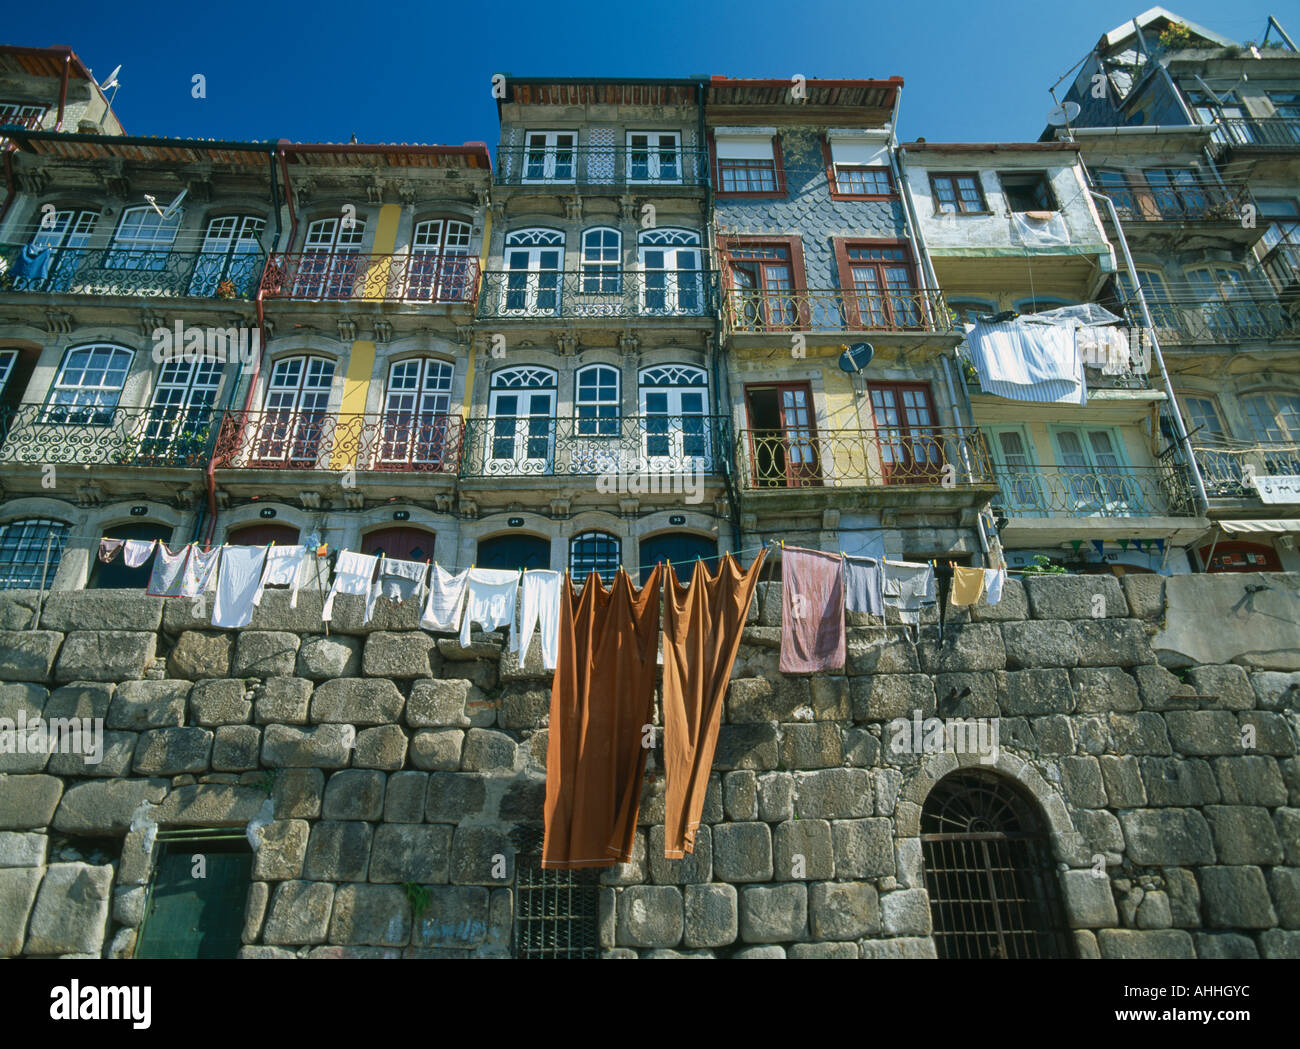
[381, 756]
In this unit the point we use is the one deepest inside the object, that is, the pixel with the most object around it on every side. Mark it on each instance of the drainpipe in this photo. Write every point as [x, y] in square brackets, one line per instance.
[1202, 500]
[11, 193]
[63, 90]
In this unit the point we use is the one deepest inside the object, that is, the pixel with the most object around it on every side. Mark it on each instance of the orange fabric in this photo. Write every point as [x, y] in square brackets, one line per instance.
[602, 697]
[702, 628]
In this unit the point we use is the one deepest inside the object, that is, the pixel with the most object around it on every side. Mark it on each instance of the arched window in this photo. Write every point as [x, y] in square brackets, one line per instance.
[404, 543]
[117, 574]
[30, 551]
[56, 251]
[180, 419]
[418, 433]
[520, 437]
[295, 424]
[330, 267]
[89, 384]
[595, 551]
[263, 535]
[671, 264]
[968, 310]
[1274, 418]
[602, 260]
[440, 270]
[680, 549]
[988, 870]
[143, 239]
[533, 259]
[509, 553]
[674, 408]
[596, 405]
[229, 263]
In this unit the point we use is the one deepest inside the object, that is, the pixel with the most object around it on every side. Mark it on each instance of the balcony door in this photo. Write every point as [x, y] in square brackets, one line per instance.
[534, 261]
[330, 265]
[417, 432]
[1220, 470]
[910, 447]
[521, 422]
[440, 267]
[674, 281]
[1274, 419]
[879, 289]
[179, 422]
[654, 157]
[762, 286]
[1225, 305]
[404, 542]
[143, 240]
[674, 402]
[1096, 478]
[1022, 483]
[1178, 193]
[549, 157]
[65, 238]
[231, 251]
[782, 436]
[295, 421]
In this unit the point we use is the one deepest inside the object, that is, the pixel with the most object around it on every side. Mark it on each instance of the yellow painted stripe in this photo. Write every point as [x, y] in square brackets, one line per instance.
[482, 264]
[356, 385]
[376, 284]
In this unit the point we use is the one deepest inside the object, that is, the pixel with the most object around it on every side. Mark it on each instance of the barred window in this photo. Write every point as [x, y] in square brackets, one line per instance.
[557, 912]
[595, 550]
[30, 551]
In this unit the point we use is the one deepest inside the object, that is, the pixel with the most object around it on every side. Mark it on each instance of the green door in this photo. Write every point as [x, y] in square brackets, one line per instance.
[191, 917]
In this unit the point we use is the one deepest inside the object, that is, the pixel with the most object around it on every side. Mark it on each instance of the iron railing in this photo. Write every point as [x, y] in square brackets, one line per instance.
[30, 121]
[1130, 373]
[322, 276]
[938, 457]
[1266, 132]
[611, 165]
[837, 309]
[1194, 200]
[598, 293]
[1086, 491]
[133, 272]
[414, 442]
[1282, 264]
[1226, 468]
[1224, 321]
[87, 435]
[627, 450]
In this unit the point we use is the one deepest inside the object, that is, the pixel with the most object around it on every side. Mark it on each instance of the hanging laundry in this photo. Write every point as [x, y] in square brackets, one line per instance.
[812, 611]
[110, 548]
[539, 599]
[168, 572]
[1027, 362]
[1117, 353]
[602, 697]
[238, 580]
[909, 586]
[489, 600]
[353, 573]
[446, 596]
[703, 623]
[967, 585]
[994, 579]
[198, 570]
[282, 565]
[138, 551]
[398, 581]
[31, 266]
[863, 585]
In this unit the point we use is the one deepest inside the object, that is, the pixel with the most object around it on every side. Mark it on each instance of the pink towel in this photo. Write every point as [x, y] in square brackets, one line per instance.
[812, 611]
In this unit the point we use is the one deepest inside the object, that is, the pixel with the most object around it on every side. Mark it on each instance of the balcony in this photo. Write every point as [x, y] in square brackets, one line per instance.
[812, 310]
[316, 276]
[1226, 467]
[1259, 134]
[75, 435]
[1282, 264]
[618, 167]
[1077, 492]
[597, 295]
[405, 442]
[1191, 323]
[135, 273]
[1187, 202]
[645, 447]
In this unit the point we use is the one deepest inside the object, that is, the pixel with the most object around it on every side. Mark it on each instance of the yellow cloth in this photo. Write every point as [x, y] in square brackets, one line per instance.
[967, 585]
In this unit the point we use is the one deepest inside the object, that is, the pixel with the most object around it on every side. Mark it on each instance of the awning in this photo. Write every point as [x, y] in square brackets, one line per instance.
[1278, 527]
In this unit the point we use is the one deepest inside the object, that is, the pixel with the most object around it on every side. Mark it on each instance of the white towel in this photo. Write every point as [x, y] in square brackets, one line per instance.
[489, 600]
[1027, 362]
[352, 575]
[138, 551]
[446, 596]
[198, 570]
[539, 599]
[993, 580]
[397, 581]
[238, 580]
[168, 572]
[282, 564]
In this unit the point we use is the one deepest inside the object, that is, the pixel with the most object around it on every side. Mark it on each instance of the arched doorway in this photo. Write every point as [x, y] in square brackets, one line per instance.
[512, 552]
[402, 543]
[988, 869]
[262, 535]
[116, 574]
[680, 549]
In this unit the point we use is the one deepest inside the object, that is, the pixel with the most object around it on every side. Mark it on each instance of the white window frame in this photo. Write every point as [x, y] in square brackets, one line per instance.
[143, 239]
[231, 250]
[295, 410]
[602, 396]
[600, 274]
[681, 286]
[435, 271]
[181, 407]
[534, 290]
[684, 451]
[328, 268]
[546, 147]
[534, 389]
[89, 403]
[654, 149]
[417, 410]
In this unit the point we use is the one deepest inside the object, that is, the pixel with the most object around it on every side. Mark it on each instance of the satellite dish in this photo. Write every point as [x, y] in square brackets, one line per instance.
[112, 80]
[171, 208]
[856, 357]
[1063, 114]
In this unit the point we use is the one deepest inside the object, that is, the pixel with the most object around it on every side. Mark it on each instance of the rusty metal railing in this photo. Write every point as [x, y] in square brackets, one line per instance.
[321, 276]
[836, 310]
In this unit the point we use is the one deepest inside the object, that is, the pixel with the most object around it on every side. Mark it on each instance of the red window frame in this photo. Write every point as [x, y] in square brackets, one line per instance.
[844, 264]
[908, 467]
[961, 209]
[832, 180]
[778, 170]
[807, 474]
[793, 247]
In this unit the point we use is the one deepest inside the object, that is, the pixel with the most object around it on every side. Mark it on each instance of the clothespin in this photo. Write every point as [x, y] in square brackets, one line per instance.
[782, 544]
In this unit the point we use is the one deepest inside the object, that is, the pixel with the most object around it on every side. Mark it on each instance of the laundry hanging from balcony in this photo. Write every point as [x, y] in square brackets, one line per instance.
[812, 611]
[863, 585]
[1022, 361]
[168, 572]
[353, 574]
[909, 587]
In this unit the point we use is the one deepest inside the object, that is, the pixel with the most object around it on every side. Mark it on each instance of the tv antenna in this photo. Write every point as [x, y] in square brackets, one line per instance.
[171, 209]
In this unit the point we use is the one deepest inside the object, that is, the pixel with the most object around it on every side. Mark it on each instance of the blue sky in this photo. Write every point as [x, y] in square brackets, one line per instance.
[413, 71]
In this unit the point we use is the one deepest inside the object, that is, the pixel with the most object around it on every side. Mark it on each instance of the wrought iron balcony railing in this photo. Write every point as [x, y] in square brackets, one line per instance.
[937, 457]
[89, 435]
[1282, 263]
[132, 272]
[836, 310]
[657, 165]
[412, 442]
[1225, 321]
[1259, 132]
[1084, 491]
[623, 450]
[597, 293]
[1226, 467]
[322, 276]
[1191, 200]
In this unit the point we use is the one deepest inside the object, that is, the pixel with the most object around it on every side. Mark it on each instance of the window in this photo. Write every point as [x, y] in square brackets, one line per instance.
[910, 449]
[602, 260]
[1227, 110]
[521, 421]
[958, 193]
[1115, 185]
[143, 240]
[21, 114]
[748, 164]
[440, 269]
[1094, 475]
[1178, 193]
[294, 423]
[1018, 476]
[654, 156]
[417, 432]
[1219, 470]
[557, 912]
[1286, 104]
[510, 553]
[180, 419]
[1163, 313]
[674, 403]
[1281, 240]
[401, 542]
[859, 167]
[762, 284]
[89, 385]
[595, 551]
[231, 255]
[7, 360]
[1274, 417]
[1224, 306]
[117, 574]
[549, 156]
[879, 292]
[534, 259]
[679, 549]
[329, 267]
[670, 261]
[65, 238]
[596, 402]
[968, 311]
[191, 917]
[29, 553]
[783, 435]
[1027, 191]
